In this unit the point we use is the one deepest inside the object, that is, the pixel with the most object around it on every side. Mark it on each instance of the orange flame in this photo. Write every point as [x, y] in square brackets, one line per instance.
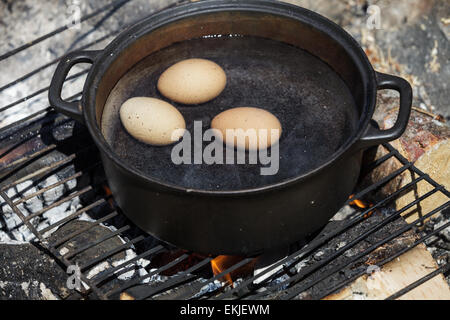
[219, 264]
[360, 204]
[107, 190]
[108, 195]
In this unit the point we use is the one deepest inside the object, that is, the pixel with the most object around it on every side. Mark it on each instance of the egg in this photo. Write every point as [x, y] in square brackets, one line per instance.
[192, 81]
[246, 118]
[152, 120]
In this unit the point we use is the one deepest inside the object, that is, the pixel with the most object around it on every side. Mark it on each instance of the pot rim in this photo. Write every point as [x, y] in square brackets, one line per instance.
[167, 16]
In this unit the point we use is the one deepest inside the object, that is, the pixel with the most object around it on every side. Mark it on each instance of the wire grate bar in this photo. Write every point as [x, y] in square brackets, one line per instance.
[106, 255]
[54, 61]
[417, 283]
[80, 231]
[31, 133]
[229, 270]
[385, 261]
[313, 246]
[70, 255]
[30, 125]
[403, 160]
[111, 272]
[45, 176]
[20, 215]
[33, 115]
[43, 190]
[383, 223]
[61, 29]
[379, 161]
[298, 277]
[25, 119]
[44, 170]
[10, 148]
[353, 259]
[378, 184]
[39, 91]
[31, 157]
[57, 203]
[150, 274]
[44, 173]
[183, 277]
[72, 216]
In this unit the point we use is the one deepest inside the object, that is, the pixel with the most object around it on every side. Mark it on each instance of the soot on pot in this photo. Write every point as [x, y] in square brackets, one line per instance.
[314, 105]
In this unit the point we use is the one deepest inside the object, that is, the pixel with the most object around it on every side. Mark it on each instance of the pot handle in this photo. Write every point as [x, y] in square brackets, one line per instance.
[71, 109]
[374, 136]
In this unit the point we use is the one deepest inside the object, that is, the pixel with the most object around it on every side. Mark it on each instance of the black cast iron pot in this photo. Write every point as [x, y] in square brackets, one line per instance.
[250, 220]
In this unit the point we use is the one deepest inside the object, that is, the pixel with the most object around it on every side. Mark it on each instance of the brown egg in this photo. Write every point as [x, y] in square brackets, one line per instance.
[246, 118]
[192, 81]
[152, 121]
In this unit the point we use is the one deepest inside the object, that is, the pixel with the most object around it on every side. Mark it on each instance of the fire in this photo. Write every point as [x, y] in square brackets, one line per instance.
[219, 264]
[360, 204]
[109, 197]
[107, 190]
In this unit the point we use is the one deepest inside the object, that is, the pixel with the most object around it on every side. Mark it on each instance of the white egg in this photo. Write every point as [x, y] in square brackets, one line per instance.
[152, 121]
[266, 127]
[192, 81]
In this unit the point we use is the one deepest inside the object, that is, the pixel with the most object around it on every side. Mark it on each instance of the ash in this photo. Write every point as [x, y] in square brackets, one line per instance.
[12, 227]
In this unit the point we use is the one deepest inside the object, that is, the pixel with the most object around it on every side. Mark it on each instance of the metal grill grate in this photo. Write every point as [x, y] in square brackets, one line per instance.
[45, 143]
